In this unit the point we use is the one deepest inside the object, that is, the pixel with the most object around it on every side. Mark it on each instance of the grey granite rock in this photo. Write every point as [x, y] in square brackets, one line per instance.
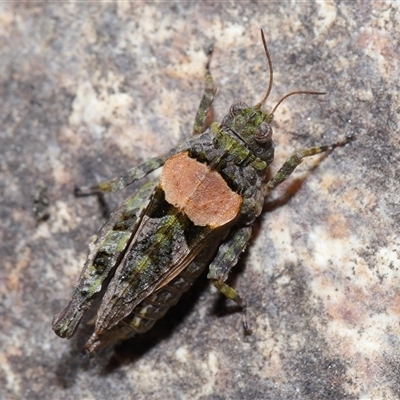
[89, 90]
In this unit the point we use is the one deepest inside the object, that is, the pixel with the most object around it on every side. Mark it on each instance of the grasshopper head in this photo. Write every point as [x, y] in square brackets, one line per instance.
[253, 125]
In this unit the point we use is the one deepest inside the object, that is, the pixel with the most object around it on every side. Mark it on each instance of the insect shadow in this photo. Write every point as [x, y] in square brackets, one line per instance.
[290, 189]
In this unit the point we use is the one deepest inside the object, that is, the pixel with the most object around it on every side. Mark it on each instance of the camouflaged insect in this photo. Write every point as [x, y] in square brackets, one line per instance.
[200, 213]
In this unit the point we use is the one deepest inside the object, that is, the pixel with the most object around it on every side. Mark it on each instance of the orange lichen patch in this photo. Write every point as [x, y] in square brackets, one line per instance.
[202, 194]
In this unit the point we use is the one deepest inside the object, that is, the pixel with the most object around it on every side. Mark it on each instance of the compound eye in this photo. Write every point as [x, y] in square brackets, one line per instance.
[264, 133]
[237, 108]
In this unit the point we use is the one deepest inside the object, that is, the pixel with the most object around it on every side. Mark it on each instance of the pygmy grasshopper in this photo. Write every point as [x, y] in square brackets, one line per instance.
[200, 213]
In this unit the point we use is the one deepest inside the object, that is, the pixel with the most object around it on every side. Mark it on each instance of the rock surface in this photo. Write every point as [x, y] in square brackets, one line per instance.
[90, 90]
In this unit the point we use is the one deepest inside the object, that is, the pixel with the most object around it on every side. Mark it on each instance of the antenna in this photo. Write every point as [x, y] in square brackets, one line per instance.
[271, 72]
[271, 79]
[291, 94]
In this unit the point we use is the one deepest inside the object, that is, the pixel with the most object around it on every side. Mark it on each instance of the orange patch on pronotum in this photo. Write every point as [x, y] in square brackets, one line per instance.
[201, 193]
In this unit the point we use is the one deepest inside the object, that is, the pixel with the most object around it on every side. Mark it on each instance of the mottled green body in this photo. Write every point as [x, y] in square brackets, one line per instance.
[105, 251]
[150, 251]
[167, 243]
